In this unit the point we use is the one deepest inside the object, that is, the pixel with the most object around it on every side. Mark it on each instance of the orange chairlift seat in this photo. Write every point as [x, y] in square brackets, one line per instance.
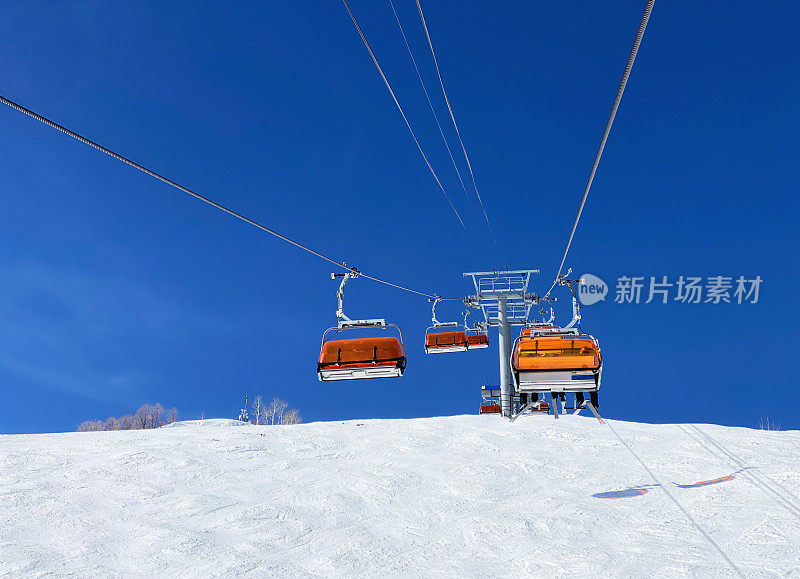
[556, 360]
[444, 337]
[478, 340]
[538, 327]
[549, 358]
[477, 336]
[557, 353]
[540, 406]
[376, 357]
[355, 358]
[446, 341]
[490, 400]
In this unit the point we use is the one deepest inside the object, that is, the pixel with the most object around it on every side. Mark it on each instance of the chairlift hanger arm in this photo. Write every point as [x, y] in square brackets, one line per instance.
[576, 306]
[435, 301]
[549, 302]
[343, 321]
[436, 323]
[345, 277]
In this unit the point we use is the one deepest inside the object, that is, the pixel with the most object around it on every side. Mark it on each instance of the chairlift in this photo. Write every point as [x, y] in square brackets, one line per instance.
[357, 358]
[438, 341]
[477, 336]
[540, 406]
[544, 324]
[490, 400]
[549, 358]
[478, 340]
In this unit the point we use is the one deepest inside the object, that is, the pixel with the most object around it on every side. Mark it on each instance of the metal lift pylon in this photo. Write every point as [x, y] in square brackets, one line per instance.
[503, 298]
[503, 343]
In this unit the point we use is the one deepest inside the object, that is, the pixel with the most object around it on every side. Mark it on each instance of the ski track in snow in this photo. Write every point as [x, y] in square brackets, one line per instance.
[467, 496]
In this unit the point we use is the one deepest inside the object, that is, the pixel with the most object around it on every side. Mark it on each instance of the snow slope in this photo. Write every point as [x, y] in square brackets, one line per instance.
[457, 496]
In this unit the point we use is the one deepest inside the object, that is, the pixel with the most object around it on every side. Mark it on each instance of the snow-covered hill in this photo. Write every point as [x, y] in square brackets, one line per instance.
[458, 496]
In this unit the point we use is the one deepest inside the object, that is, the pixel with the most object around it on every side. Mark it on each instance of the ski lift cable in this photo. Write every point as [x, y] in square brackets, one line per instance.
[458, 132]
[408, 124]
[624, 81]
[202, 198]
[428, 98]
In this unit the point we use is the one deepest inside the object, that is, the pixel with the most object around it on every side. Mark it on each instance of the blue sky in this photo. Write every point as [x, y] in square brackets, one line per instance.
[118, 290]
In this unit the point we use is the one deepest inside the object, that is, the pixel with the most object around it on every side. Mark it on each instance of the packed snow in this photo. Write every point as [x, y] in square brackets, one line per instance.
[465, 496]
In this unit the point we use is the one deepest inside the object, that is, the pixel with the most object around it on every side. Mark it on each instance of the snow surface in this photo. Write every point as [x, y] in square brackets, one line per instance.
[458, 496]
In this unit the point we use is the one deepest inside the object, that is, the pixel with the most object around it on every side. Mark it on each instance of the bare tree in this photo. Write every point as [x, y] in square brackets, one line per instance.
[275, 410]
[155, 414]
[140, 418]
[767, 424]
[258, 408]
[146, 416]
[90, 426]
[282, 406]
[269, 412]
[292, 416]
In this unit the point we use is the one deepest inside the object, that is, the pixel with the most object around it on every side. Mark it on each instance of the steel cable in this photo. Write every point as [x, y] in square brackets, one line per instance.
[624, 81]
[458, 132]
[202, 198]
[405, 118]
[428, 98]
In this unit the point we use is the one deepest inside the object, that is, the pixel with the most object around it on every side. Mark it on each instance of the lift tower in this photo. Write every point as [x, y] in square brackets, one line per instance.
[503, 298]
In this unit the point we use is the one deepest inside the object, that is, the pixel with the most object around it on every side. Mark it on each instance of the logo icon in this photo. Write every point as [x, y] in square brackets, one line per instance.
[592, 289]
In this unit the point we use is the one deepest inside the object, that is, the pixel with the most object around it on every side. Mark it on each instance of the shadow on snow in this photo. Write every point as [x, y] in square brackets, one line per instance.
[643, 489]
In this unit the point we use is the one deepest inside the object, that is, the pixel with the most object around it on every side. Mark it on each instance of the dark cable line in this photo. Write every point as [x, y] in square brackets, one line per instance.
[458, 132]
[631, 58]
[202, 198]
[408, 124]
[428, 98]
